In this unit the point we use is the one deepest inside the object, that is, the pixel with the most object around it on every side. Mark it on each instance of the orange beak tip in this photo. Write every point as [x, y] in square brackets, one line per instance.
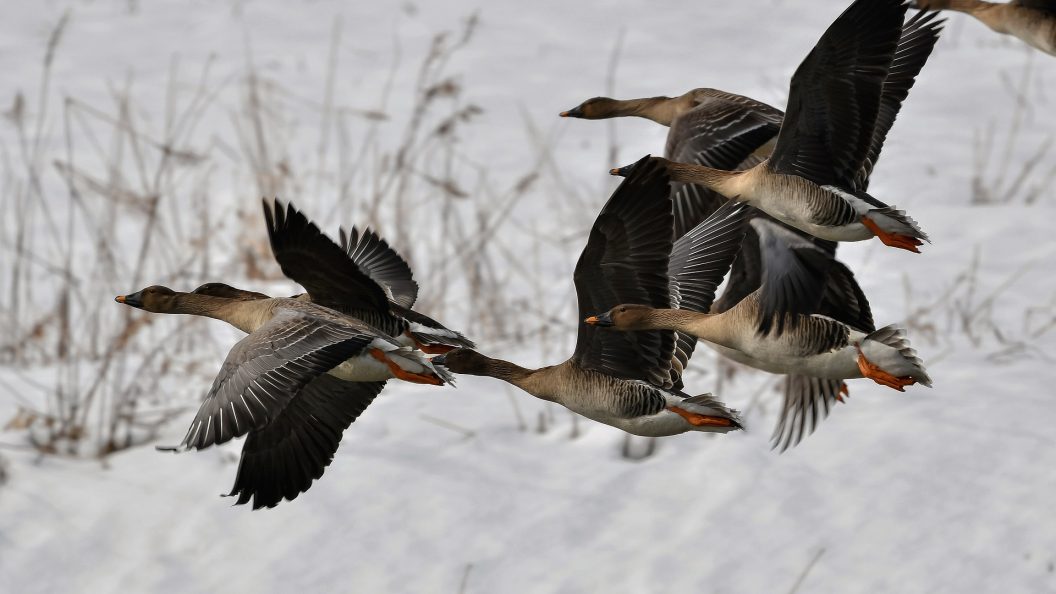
[614, 171]
[563, 114]
[591, 320]
[120, 299]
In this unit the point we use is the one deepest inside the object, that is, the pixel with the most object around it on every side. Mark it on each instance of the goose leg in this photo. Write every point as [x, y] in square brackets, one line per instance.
[401, 373]
[878, 375]
[844, 392]
[904, 242]
[699, 420]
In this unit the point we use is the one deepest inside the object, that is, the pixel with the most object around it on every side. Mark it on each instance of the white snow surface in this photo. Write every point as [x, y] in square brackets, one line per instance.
[439, 490]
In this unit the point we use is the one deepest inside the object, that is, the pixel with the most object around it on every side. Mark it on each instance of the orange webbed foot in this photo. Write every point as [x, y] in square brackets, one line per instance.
[844, 392]
[882, 377]
[904, 242]
[400, 373]
[699, 420]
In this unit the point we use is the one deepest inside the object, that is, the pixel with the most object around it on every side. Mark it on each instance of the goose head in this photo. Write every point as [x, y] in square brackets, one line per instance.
[596, 108]
[465, 361]
[155, 298]
[627, 316]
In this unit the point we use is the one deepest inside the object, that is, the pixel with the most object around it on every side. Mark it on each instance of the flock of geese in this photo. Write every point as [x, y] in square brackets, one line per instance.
[746, 191]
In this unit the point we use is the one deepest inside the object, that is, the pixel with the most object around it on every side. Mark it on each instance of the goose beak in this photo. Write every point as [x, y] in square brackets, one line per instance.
[575, 112]
[134, 299]
[622, 171]
[601, 320]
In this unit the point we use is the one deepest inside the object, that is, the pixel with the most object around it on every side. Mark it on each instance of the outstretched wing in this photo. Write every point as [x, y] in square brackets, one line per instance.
[919, 36]
[283, 458]
[702, 257]
[382, 264]
[313, 260]
[625, 261]
[265, 370]
[835, 93]
[722, 132]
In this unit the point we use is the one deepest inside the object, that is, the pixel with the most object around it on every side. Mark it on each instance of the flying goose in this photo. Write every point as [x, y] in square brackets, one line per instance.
[707, 127]
[306, 371]
[838, 116]
[765, 331]
[633, 381]
[1032, 21]
[303, 374]
[724, 130]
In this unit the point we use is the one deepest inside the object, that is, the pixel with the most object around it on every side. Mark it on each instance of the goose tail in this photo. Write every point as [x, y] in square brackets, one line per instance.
[415, 361]
[708, 406]
[897, 222]
[888, 348]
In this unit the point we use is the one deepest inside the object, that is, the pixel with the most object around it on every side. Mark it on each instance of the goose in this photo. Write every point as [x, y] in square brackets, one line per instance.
[767, 331]
[301, 376]
[707, 127]
[306, 371]
[632, 381]
[831, 135]
[724, 130]
[1032, 21]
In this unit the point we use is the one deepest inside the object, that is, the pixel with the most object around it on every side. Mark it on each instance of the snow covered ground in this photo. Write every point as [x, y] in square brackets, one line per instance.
[942, 490]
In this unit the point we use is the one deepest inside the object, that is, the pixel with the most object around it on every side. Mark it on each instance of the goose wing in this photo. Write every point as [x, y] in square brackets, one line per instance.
[699, 261]
[834, 97]
[793, 279]
[625, 261]
[267, 369]
[807, 402]
[702, 257]
[382, 264]
[722, 132]
[843, 299]
[283, 458]
[746, 274]
[428, 331]
[919, 36]
[313, 260]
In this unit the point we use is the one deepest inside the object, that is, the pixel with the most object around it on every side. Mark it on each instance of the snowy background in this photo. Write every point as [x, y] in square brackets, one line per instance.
[138, 137]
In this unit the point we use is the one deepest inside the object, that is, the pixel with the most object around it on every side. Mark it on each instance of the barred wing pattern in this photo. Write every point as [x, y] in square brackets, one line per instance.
[267, 369]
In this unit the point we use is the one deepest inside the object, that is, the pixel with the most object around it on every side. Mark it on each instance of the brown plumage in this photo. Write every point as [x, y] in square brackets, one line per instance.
[629, 380]
[843, 98]
[1032, 21]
